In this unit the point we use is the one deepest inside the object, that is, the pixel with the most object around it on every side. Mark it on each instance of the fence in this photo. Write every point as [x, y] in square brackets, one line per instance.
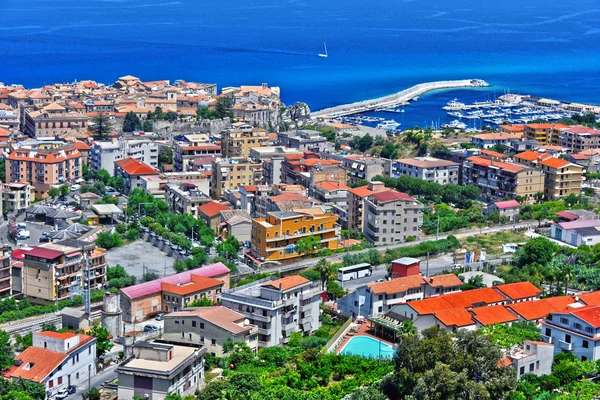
[338, 335]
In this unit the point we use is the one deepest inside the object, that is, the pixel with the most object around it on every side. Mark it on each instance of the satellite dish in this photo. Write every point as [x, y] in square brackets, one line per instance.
[246, 322]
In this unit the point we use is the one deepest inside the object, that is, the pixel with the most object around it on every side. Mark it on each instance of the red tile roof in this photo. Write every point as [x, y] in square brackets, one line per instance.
[390, 195]
[538, 309]
[589, 314]
[447, 280]
[507, 204]
[484, 162]
[79, 145]
[531, 156]
[43, 253]
[567, 215]
[40, 363]
[287, 283]
[473, 297]
[494, 154]
[519, 290]
[213, 208]
[458, 317]
[332, 185]
[198, 284]
[135, 167]
[493, 315]
[57, 335]
[592, 298]
[555, 163]
[397, 285]
[546, 126]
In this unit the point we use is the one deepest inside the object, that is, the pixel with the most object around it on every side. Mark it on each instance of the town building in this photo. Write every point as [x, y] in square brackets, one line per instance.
[56, 360]
[577, 232]
[210, 213]
[155, 370]
[257, 105]
[498, 180]
[391, 217]
[184, 198]
[43, 168]
[382, 296]
[544, 133]
[53, 121]
[132, 171]
[211, 327]
[330, 192]
[507, 208]
[574, 330]
[405, 266]
[430, 169]
[306, 140]
[193, 147]
[579, 138]
[103, 154]
[487, 140]
[232, 173]
[237, 141]
[138, 301]
[532, 357]
[278, 307]
[57, 270]
[16, 196]
[5, 271]
[308, 169]
[274, 238]
[356, 197]
[561, 178]
[360, 168]
[236, 223]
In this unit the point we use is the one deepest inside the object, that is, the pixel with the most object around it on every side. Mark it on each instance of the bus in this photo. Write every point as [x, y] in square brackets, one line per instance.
[354, 272]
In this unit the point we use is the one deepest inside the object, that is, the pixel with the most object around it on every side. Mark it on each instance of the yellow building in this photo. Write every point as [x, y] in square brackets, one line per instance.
[544, 133]
[232, 173]
[274, 238]
[238, 141]
[562, 178]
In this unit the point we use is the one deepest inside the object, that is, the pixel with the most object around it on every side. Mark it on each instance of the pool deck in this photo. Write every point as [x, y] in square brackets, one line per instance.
[363, 330]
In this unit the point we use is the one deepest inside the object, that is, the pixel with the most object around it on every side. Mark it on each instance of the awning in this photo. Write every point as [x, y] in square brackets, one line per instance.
[73, 254]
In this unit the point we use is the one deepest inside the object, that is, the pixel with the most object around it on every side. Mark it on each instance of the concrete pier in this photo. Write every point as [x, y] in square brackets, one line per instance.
[396, 99]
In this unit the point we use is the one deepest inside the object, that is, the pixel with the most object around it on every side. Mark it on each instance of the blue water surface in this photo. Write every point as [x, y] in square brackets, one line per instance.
[367, 347]
[376, 47]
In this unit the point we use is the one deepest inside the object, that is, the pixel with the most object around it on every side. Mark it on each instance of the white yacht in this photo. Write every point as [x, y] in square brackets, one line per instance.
[454, 106]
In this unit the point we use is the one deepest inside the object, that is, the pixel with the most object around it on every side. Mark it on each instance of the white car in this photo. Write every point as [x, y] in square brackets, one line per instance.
[23, 235]
[62, 394]
[75, 187]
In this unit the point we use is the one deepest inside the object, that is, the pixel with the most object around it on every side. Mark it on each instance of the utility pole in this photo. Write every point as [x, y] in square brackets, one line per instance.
[437, 233]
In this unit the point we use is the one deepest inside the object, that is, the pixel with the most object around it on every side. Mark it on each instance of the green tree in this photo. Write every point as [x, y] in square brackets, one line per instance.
[150, 276]
[308, 245]
[241, 354]
[334, 290]
[103, 176]
[229, 248]
[24, 342]
[53, 192]
[107, 240]
[147, 126]
[6, 351]
[363, 143]
[166, 156]
[2, 170]
[326, 270]
[103, 343]
[224, 107]
[100, 126]
[389, 151]
[92, 394]
[537, 250]
[64, 190]
[108, 199]
[132, 122]
[205, 113]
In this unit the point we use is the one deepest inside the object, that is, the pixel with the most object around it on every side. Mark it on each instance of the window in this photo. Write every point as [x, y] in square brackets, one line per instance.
[183, 335]
[564, 321]
[522, 371]
[531, 366]
[585, 344]
[59, 380]
[51, 383]
[548, 332]
[568, 338]
[190, 336]
[193, 324]
[201, 325]
[577, 325]
[89, 350]
[213, 341]
[77, 375]
[45, 345]
[537, 364]
[583, 358]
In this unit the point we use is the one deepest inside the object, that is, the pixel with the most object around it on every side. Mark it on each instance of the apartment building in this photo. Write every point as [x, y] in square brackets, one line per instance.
[306, 140]
[308, 169]
[575, 330]
[430, 169]
[43, 167]
[210, 213]
[5, 271]
[56, 360]
[238, 141]
[562, 178]
[391, 217]
[380, 297]
[544, 133]
[132, 171]
[532, 357]
[487, 140]
[278, 307]
[156, 369]
[16, 196]
[103, 154]
[579, 138]
[356, 196]
[195, 146]
[330, 192]
[362, 168]
[53, 120]
[498, 180]
[232, 173]
[211, 327]
[184, 198]
[274, 237]
[52, 270]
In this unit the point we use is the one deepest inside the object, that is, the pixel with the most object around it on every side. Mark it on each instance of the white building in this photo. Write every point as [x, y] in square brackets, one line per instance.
[430, 169]
[56, 360]
[156, 369]
[104, 154]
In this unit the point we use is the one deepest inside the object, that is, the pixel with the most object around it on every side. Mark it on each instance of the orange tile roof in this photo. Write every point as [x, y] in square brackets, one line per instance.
[41, 363]
[592, 298]
[397, 285]
[50, 156]
[198, 284]
[4, 132]
[289, 196]
[532, 156]
[447, 280]
[537, 309]
[431, 305]
[390, 195]
[498, 164]
[475, 296]
[546, 126]
[513, 128]
[57, 335]
[519, 290]
[287, 283]
[492, 315]
[555, 163]
[589, 314]
[332, 185]
[135, 167]
[504, 362]
[212, 208]
[458, 317]
[498, 136]
[493, 154]
[79, 145]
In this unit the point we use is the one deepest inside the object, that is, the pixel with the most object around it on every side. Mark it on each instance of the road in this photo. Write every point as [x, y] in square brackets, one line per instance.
[338, 257]
[109, 374]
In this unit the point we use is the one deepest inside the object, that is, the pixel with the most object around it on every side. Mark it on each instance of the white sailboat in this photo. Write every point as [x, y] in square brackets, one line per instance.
[324, 55]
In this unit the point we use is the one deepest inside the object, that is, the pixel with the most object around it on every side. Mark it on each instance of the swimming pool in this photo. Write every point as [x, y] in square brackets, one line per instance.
[367, 347]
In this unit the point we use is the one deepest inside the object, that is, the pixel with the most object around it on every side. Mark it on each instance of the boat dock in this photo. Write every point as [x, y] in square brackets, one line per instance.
[393, 100]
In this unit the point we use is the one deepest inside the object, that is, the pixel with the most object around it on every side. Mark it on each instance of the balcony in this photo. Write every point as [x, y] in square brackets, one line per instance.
[262, 343]
[565, 346]
[264, 331]
[257, 317]
[298, 235]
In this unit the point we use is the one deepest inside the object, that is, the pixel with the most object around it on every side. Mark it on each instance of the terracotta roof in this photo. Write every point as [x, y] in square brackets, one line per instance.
[397, 285]
[532, 156]
[589, 314]
[431, 305]
[507, 204]
[447, 280]
[592, 298]
[155, 286]
[198, 284]
[546, 126]
[364, 191]
[287, 283]
[537, 309]
[44, 157]
[41, 363]
[289, 196]
[458, 317]
[213, 208]
[555, 163]
[135, 167]
[493, 154]
[504, 362]
[567, 215]
[513, 128]
[519, 290]
[332, 185]
[492, 315]
[222, 317]
[79, 145]
[509, 167]
[43, 253]
[57, 335]
[390, 195]
[498, 136]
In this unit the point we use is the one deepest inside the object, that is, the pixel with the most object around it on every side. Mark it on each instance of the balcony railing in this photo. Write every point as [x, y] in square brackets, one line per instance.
[565, 346]
[307, 233]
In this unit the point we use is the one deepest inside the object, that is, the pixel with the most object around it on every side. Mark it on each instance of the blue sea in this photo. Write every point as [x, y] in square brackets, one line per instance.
[376, 47]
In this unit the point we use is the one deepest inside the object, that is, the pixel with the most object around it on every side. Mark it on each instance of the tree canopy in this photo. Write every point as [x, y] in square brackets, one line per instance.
[100, 126]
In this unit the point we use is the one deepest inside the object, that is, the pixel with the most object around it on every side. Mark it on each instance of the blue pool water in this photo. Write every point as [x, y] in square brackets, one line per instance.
[367, 347]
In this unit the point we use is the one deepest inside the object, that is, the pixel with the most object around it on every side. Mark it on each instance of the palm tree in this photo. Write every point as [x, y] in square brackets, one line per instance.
[407, 328]
[326, 270]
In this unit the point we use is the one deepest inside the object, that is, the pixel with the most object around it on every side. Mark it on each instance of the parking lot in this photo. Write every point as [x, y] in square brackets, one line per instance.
[35, 231]
[139, 254]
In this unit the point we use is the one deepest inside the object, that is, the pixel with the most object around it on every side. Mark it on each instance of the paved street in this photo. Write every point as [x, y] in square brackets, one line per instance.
[107, 375]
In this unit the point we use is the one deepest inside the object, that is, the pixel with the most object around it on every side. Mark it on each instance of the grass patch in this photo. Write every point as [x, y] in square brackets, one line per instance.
[492, 242]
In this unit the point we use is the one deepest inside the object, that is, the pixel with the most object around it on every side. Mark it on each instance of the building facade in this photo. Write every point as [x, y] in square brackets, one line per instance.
[562, 178]
[132, 171]
[238, 142]
[427, 168]
[232, 173]
[391, 217]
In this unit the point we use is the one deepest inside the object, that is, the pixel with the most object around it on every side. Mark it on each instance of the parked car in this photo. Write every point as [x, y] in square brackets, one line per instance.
[150, 328]
[159, 317]
[75, 188]
[71, 389]
[62, 394]
[21, 226]
[44, 239]
[23, 235]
